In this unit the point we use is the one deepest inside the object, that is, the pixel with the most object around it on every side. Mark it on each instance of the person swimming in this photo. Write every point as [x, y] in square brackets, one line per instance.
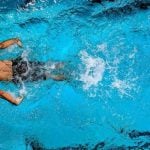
[19, 70]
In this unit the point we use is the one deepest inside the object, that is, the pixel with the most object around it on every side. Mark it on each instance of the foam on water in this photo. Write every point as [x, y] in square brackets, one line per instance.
[122, 86]
[93, 70]
[102, 47]
[125, 85]
[23, 90]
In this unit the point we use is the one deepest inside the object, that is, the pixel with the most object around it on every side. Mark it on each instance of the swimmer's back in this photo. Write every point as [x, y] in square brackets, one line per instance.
[6, 72]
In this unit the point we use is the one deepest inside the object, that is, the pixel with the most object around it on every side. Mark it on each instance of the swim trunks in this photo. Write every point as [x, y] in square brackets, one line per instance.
[24, 70]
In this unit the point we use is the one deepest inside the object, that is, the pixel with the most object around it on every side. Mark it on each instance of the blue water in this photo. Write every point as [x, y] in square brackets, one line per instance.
[106, 102]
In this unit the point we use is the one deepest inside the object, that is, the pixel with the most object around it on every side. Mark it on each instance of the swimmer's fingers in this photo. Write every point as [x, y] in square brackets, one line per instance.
[19, 43]
[19, 99]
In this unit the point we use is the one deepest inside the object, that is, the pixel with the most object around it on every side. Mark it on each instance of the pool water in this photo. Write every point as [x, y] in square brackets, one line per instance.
[105, 103]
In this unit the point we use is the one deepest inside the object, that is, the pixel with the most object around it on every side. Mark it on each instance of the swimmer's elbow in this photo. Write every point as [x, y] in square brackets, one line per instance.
[1, 46]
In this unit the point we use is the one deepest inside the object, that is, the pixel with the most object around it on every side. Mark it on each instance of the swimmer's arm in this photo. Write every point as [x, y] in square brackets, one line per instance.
[10, 98]
[10, 42]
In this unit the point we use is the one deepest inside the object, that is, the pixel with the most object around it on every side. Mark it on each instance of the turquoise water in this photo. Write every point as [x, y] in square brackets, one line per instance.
[106, 103]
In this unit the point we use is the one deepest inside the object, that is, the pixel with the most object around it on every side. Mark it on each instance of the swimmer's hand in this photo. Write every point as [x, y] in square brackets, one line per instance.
[7, 96]
[19, 43]
[19, 99]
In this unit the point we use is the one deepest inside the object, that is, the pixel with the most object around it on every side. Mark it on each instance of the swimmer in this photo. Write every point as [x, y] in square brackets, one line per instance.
[18, 70]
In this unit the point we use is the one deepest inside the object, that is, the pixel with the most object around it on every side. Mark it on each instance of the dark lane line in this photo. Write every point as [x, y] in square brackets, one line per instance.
[32, 21]
[139, 137]
[100, 1]
[124, 10]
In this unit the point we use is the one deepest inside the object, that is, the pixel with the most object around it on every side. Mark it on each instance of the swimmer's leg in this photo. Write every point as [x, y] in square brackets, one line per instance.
[52, 65]
[44, 71]
[55, 77]
[59, 65]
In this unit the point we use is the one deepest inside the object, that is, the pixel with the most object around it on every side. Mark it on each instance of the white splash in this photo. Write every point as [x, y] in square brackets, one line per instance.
[23, 90]
[93, 70]
[133, 53]
[31, 3]
[102, 47]
[122, 86]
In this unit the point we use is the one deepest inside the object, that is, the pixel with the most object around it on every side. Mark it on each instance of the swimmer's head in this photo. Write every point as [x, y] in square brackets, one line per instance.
[18, 42]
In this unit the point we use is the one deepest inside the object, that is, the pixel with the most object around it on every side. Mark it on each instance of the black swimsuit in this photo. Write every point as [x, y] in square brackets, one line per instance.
[27, 70]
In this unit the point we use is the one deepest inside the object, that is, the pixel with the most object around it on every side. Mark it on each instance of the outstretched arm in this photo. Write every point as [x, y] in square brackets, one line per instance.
[10, 42]
[10, 98]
